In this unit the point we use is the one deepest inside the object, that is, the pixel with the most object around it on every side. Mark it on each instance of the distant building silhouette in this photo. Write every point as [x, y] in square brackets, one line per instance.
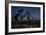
[19, 13]
[25, 17]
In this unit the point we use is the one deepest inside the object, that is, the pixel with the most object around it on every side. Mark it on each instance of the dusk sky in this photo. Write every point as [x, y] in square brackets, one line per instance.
[34, 11]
